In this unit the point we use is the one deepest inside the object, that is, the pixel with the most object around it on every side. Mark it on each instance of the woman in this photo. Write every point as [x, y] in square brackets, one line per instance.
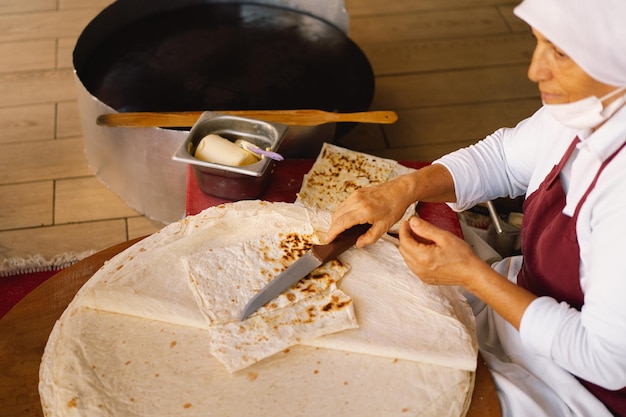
[551, 323]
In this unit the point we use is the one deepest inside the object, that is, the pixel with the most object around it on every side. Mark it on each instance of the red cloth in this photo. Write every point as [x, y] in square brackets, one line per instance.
[286, 182]
[15, 287]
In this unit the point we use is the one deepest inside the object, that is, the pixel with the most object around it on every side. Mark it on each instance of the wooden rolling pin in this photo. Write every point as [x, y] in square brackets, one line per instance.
[288, 117]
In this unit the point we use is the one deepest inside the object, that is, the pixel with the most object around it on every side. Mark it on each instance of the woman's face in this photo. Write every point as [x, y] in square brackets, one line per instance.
[561, 80]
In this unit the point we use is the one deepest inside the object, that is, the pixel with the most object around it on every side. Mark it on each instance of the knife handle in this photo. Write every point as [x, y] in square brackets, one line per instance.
[342, 243]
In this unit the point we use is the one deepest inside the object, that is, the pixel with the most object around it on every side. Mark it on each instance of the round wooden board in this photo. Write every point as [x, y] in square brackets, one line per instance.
[25, 328]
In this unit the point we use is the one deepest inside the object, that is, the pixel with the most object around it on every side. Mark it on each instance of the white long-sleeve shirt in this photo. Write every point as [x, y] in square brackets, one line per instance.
[555, 340]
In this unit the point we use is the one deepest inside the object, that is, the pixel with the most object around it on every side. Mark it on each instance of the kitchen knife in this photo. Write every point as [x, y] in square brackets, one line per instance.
[315, 257]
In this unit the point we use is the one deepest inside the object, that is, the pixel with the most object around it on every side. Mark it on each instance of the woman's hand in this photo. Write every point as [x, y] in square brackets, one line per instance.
[438, 256]
[383, 205]
[379, 205]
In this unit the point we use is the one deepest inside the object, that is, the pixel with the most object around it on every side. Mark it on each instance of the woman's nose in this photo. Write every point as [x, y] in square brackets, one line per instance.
[538, 70]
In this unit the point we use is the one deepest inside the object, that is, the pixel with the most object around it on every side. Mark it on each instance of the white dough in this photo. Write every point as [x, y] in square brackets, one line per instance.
[216, 149]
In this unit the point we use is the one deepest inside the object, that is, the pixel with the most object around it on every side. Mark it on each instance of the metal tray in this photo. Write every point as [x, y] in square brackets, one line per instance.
[232, 182]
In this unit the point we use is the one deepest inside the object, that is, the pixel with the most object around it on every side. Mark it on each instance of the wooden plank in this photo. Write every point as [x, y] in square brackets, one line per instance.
[363, 138]
[26, 205]
[428, 152]
[45, 160]
[378, 7]
[42, 25]
[22, 6]
[31, 87]
[515, 23]
[141, 226]
[55, 240]
[27, 55]
[447, 54]
[87, 199]
[68, 120]
[65, 49]
[409, 27]
[429, 133]
[26, 123]
[75, 4]
[477, 85]
[436, 125]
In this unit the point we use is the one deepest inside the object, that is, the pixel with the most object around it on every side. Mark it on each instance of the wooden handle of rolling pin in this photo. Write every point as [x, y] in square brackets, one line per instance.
[288, 117]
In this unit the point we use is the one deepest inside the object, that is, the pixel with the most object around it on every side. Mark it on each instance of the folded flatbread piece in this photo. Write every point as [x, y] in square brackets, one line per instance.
[224, 279]
[337, 172]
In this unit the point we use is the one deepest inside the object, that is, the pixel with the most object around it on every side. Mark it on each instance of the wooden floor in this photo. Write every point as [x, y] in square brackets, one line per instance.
[453, 70]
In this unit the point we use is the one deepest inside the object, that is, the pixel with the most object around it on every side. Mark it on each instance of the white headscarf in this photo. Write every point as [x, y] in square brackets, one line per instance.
[591, 32]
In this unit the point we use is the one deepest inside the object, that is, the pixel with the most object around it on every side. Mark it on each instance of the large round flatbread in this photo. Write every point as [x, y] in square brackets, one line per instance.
[136, 340]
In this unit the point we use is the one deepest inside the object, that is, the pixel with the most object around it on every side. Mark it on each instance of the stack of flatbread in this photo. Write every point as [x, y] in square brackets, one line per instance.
[156, 331]
[338, 172]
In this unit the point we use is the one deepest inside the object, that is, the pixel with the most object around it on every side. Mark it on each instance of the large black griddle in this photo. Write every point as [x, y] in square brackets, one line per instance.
[218, 56]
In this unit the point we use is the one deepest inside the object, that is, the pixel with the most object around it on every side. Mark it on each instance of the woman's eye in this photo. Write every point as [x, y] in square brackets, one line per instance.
[560, 53]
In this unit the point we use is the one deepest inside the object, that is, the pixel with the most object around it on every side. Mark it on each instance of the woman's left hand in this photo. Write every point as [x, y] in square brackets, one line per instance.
[438, 256]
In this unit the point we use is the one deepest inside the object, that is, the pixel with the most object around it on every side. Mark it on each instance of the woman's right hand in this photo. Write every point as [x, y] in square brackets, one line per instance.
[382, 206]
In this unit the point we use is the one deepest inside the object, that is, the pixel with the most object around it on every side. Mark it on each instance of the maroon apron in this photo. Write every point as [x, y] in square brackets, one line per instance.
[552, 255]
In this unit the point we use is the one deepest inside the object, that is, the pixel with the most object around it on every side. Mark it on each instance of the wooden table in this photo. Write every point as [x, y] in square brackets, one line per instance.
[25, 328]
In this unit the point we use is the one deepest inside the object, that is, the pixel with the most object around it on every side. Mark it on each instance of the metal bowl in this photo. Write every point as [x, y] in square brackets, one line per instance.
[225, 181]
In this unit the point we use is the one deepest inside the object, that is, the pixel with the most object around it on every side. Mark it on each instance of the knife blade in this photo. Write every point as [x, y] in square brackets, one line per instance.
[314, 258]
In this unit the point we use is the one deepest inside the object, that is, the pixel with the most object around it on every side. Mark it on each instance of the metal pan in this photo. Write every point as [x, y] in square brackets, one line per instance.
[196, 55]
